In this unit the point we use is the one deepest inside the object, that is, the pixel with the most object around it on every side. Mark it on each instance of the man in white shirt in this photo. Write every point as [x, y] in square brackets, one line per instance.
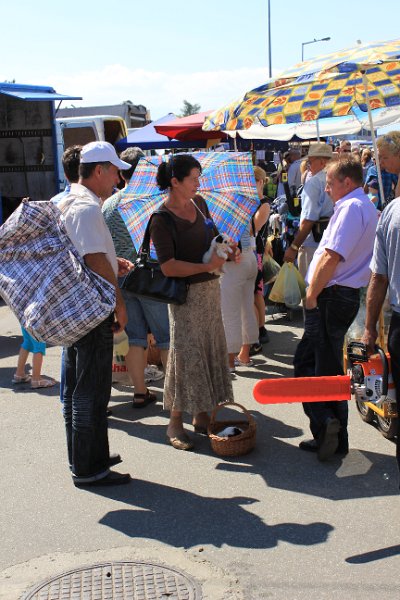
[88, 362]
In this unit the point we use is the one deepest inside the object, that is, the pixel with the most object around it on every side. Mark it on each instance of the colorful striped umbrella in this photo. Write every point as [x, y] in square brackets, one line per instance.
[227, 185]
[328, 86]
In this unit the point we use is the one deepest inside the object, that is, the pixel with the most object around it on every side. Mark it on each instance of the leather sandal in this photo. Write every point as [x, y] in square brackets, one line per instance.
[180, 442]
[42, 383]
[21, 378]
[147, 398]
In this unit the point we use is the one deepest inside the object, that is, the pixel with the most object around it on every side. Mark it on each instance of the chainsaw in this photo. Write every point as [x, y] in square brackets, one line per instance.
[368, 381]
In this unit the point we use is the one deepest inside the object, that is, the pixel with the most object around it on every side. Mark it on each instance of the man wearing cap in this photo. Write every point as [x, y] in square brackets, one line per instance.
[316, 209]
[339, 268]
[88, 362]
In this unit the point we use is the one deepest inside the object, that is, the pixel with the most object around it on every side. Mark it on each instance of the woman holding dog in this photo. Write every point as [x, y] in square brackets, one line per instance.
[197, 376]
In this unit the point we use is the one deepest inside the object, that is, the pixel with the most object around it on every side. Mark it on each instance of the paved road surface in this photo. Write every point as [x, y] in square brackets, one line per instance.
[274, 524]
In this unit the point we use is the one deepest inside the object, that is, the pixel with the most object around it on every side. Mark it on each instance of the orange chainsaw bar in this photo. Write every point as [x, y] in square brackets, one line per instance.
[302, 389]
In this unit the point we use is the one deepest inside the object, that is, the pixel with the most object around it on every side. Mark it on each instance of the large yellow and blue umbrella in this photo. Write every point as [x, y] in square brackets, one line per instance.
[367, 76]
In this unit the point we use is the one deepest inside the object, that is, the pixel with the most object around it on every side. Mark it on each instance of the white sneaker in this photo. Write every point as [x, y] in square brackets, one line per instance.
[152, 373]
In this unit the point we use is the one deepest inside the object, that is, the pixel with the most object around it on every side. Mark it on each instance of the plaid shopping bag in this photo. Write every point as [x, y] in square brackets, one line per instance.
[45, 281]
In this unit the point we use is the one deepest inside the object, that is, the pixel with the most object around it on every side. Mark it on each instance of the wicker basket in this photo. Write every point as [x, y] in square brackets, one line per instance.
[236, 445]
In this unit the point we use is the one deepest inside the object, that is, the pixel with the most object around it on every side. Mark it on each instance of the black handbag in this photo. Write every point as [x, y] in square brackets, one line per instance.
[146, 279]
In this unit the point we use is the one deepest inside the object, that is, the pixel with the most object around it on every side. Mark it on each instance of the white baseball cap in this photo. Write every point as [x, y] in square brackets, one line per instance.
[98, 152]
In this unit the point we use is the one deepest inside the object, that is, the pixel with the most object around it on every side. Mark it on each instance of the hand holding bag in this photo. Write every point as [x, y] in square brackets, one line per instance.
[147, 280]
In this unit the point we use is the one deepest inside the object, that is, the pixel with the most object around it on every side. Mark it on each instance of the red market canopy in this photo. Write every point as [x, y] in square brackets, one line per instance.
[188, 128]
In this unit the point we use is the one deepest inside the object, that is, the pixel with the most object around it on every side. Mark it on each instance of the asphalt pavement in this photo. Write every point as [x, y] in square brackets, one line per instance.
[273, 524]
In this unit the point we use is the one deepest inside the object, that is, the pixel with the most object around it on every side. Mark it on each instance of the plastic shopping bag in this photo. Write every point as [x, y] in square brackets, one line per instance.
[291, 287]
[277, 293]
[119, 369]
[270, 269]
[287, 289]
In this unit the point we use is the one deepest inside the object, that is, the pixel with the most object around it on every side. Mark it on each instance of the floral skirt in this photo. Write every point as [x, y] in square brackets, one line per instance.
[197, 377]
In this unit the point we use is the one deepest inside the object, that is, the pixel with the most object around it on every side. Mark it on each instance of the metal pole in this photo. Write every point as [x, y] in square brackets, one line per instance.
[371, 126]
[269, 40]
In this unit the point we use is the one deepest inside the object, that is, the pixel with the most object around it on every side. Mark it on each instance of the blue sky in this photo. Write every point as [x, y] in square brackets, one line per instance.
[158, 53]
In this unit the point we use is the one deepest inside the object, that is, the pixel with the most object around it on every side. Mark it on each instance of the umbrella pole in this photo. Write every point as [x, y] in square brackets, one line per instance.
[318, 136]
[371, 126]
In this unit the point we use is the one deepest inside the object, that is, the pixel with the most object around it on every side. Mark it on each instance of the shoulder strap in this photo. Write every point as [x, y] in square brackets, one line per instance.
[145, 247]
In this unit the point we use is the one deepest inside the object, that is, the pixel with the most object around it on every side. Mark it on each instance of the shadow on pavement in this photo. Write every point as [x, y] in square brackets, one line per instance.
[360, 559]
[183, 519]
[10, 345]
[282, 465]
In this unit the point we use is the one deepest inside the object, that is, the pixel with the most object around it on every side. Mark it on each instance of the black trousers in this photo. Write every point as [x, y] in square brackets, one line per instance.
[320, 352]
[394, 351]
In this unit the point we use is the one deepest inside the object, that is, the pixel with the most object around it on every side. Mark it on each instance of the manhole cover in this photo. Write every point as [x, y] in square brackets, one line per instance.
[118, 581]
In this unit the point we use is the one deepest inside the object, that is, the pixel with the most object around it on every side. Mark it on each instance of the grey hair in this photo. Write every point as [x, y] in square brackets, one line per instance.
[390, 141]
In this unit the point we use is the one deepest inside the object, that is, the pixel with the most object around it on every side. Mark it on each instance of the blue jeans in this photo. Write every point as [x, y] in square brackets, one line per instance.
[146, 315]
[86, 394]
[321, 350]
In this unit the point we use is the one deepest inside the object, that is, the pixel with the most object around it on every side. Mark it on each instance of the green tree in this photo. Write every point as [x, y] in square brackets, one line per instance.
[189, 109]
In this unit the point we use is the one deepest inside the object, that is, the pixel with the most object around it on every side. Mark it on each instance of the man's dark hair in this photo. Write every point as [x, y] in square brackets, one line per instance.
[70, 162]
[348, 167]
[86, 169]
[131, 156]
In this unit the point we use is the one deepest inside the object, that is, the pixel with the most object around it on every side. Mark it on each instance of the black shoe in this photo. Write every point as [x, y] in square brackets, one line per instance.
[112, 478]
[255, 349]
[108, 412]
[309, 445]
[115, 459]
[263, 336]
[329, 441]
[342, 450]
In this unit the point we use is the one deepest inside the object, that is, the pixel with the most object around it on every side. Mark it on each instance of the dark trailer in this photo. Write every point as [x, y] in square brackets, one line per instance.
[28, 145]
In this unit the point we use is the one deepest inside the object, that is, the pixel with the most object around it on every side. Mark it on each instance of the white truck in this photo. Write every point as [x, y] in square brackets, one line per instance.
[82, 130]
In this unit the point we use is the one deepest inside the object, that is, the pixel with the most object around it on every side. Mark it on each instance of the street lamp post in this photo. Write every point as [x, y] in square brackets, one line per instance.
[269, 40]
[325, 39]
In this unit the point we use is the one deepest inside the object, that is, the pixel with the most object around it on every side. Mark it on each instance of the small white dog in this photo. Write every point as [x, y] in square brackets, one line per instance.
[221, 245]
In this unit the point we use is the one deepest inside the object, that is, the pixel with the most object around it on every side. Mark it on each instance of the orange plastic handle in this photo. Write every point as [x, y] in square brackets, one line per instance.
[302, 389]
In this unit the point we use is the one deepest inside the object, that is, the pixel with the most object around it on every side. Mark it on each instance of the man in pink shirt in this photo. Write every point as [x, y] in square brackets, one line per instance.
[339, 268]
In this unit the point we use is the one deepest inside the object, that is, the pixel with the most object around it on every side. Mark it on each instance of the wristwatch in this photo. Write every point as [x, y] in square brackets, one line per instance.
[294, 247]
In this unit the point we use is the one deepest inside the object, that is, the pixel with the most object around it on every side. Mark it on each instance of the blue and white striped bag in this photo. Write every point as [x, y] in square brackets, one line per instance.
[45, 281]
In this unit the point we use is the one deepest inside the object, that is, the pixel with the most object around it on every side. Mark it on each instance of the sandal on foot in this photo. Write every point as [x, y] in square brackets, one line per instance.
[239, 363]
[21, 378]
[180, 442]
[42, 383]
[146, 398]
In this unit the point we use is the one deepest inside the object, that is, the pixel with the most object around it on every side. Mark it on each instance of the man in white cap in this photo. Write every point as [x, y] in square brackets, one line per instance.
[316, 209]
[88, 362]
